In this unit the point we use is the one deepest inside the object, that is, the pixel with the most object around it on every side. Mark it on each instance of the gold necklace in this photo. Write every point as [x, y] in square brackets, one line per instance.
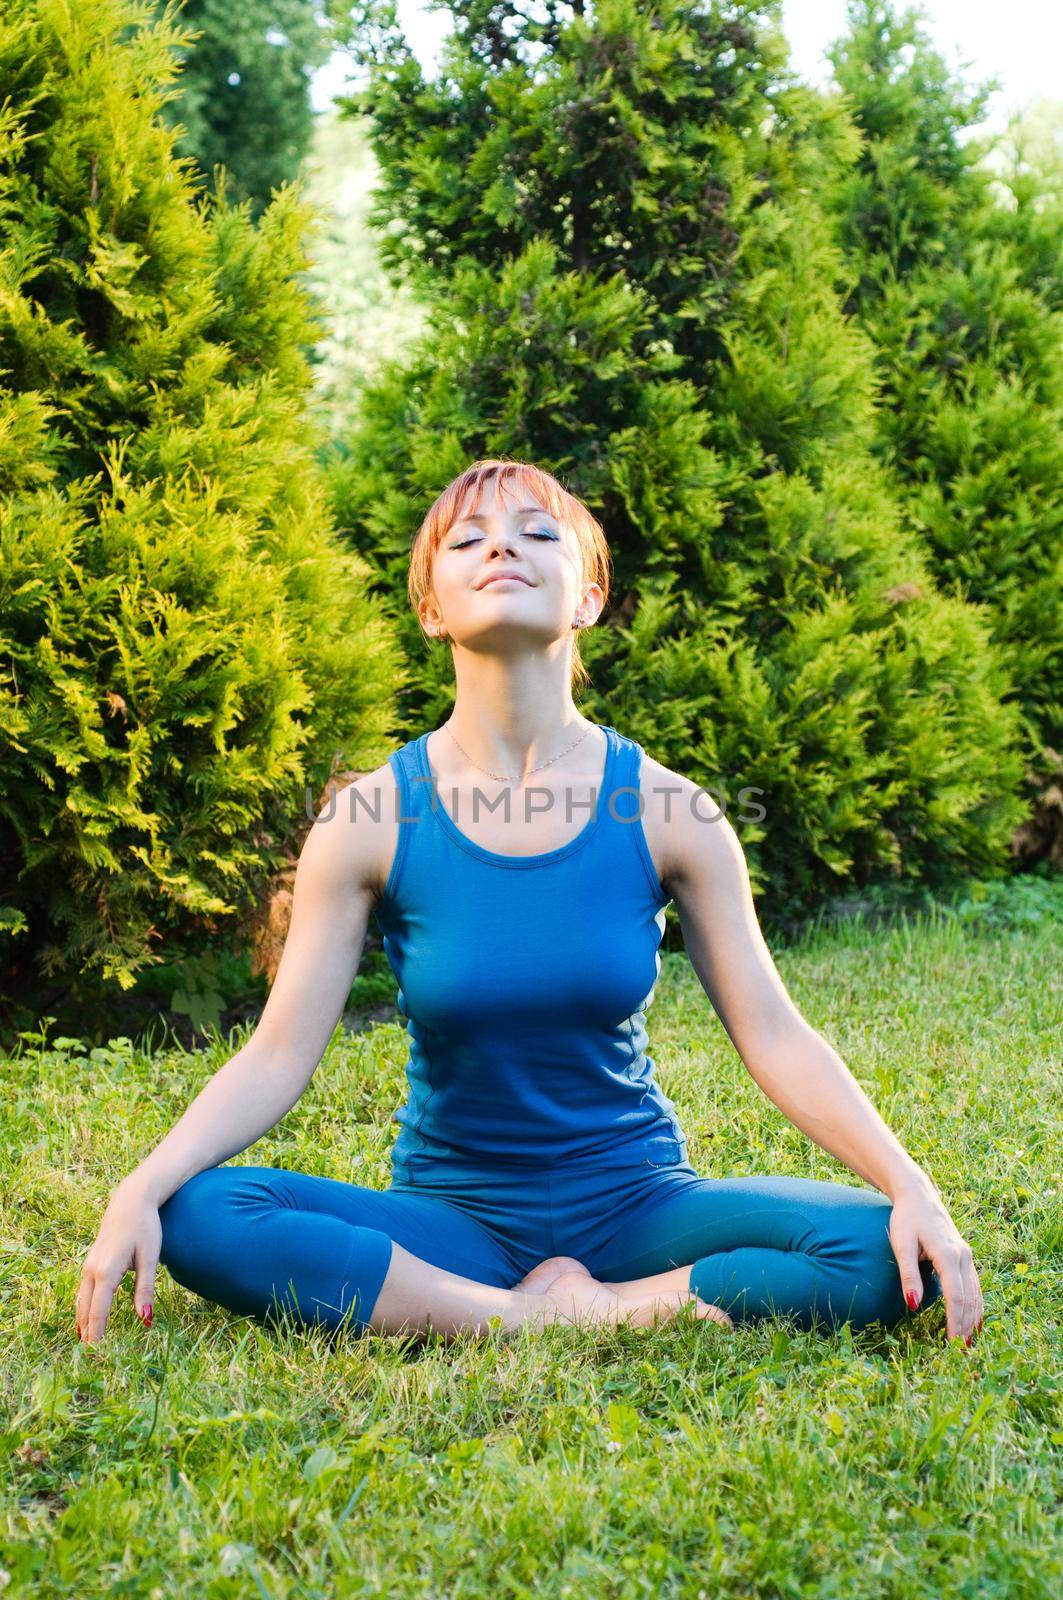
[527, 774]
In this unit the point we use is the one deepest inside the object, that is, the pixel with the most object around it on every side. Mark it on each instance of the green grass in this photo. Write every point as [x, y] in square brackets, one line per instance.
[213, 1456]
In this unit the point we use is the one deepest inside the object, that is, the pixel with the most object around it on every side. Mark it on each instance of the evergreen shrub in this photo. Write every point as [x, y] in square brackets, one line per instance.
[644, 301]
[186, 646]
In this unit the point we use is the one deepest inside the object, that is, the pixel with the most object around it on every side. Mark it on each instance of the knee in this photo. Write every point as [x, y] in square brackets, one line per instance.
[877, 1293]
[183, 1217]
[196, 1212]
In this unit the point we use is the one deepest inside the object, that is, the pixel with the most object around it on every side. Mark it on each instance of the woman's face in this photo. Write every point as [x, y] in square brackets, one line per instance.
[515, 535]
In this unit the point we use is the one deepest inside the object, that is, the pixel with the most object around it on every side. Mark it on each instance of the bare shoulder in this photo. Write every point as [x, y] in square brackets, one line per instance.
[686, 828]
[356, 829]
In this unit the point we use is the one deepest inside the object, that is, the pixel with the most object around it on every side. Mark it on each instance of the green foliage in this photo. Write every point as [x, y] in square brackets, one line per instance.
[959, 287]
[1027, 900]
[200, 987]
[1030, 900]
[644, 303]
[186, 646]
[244, 90]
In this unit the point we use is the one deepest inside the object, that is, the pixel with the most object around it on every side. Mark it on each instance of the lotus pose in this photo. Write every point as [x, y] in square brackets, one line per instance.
[519, 859]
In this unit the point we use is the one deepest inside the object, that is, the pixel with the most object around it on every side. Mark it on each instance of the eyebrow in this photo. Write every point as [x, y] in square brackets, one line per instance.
[525, 511]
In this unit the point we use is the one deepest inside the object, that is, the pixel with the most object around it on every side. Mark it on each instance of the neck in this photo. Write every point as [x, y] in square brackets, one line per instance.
[514, 713]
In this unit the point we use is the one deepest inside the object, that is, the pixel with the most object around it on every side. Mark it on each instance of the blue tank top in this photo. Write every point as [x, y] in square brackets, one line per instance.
[524, 981]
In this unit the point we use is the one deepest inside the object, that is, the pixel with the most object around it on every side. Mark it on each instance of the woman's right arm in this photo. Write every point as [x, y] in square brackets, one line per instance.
[336, 879]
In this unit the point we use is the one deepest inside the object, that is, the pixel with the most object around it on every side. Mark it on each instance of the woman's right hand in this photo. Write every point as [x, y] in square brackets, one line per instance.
[130, 1236]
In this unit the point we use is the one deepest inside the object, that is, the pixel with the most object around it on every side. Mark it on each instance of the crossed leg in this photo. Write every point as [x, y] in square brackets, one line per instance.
[763, 1246]
[263, 1241]
[260, 1240]
[266, 1241]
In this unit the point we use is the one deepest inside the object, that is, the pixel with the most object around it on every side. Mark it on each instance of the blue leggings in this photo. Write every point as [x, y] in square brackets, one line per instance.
[260, 1240]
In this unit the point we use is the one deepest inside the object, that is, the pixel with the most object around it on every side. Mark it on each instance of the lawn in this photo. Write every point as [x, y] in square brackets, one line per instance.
[214, 1456]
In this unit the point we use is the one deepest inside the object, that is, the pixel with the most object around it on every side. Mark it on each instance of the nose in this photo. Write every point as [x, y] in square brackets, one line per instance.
[502, 541]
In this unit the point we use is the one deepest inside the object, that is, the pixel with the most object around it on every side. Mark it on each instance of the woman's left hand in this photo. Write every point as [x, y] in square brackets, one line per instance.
[922, 1230]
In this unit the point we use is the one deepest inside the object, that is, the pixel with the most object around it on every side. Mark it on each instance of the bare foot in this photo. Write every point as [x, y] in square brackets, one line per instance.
[581, 1299]
[539, 1279]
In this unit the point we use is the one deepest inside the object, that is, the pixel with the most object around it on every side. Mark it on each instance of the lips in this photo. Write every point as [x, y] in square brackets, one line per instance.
[496, 577]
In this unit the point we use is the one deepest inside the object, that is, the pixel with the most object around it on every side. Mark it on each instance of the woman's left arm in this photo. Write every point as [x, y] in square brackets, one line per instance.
[792, 1063]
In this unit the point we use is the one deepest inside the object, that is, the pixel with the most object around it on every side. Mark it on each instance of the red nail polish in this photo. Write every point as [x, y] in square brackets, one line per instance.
[912, 1299]
[979, 1324]
[967, 1340]
[147, 1315]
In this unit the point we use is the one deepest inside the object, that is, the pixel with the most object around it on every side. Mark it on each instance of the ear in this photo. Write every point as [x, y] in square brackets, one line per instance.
[430, 618]
[591, 605]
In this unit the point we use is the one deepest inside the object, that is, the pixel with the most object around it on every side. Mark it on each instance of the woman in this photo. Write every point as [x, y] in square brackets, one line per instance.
[540, 1174]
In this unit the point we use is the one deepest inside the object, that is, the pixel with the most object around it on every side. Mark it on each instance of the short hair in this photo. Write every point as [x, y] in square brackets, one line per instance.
[464, 490]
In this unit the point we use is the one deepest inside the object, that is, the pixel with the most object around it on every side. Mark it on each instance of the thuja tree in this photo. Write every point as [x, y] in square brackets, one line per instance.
[244, 99]
[953, 286]
[633, 287]
[186, 646]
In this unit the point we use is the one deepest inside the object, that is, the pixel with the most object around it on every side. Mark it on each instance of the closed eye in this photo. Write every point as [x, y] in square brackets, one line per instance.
[473, 539]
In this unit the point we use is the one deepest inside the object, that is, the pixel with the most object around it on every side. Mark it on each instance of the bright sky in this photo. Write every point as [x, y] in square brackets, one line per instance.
[1020, 42]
